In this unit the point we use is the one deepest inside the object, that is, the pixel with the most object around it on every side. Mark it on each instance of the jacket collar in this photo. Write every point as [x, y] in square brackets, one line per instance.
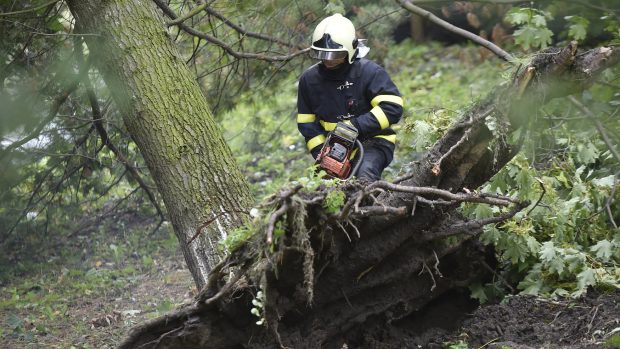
[339, 73]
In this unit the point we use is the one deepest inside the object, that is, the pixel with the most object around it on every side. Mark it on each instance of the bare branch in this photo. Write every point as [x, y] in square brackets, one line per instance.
[103, 134]
[273, 219]
[32, 9]
[170, 13]
[455, 197]
[598, 125]
[226, 21]
[193, 12]
[544, 191]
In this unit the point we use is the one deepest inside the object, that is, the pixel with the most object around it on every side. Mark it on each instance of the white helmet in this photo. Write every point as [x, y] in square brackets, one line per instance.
[334, 38]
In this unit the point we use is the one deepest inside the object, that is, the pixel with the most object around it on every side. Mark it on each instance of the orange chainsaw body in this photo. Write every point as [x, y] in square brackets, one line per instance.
[335, 156]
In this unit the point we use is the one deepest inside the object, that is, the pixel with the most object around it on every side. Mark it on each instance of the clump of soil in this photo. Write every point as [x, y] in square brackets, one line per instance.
[526, 321]
[519, 322]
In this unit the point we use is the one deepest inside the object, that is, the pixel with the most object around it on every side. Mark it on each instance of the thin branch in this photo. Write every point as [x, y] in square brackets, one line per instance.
[103, 134]
[236, 27]
[32, 9]
[207, 223]
[488, 267]
[273, 219]
[436, 170]
[170, 13]
[196, 10]
[598, 125]
[366, 211]
[58, 102]
[456, 197]
[544, 191]
[409, 6]
[475, 225]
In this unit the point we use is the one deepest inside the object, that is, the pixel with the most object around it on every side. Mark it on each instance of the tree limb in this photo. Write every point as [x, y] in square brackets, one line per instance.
[170, 13]
[409, 6]
[229, 23]
[32, 9]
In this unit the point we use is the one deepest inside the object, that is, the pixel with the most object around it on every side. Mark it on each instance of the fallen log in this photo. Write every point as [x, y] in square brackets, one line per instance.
[317, 276]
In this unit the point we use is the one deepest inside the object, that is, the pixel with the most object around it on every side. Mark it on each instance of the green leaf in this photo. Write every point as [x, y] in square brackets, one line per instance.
[547, 252]
[561, 177]
[544, 37]
[477, 292]
[483, 211]
[579, 27]
[55, 25]
[422, 134]
[532, 244]
[605, 181]
[15, 322]
[587, 153]
[518, 16]
[334, 201]
[585, 278]
[533, 282]
[516, 250]
[556, 265]
[603, 250]
[577, 32]
[575, 261]
[539, 21]
[531, 36]
[490, 235]
[165, 306]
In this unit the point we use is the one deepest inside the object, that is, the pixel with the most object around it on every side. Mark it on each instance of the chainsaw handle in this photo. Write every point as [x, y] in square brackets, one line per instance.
[359, 161]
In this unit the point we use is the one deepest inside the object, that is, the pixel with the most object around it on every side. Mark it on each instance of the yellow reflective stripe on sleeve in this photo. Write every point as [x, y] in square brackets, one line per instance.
[381, 118]
[391, 138]
[305, 118]
[328, 126]
[386, 98]
[315, 141]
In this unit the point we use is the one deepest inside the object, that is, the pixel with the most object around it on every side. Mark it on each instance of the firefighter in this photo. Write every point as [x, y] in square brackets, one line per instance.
[344, 86]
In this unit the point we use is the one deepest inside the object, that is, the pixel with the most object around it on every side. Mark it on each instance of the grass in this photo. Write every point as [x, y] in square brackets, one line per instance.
[92, 295]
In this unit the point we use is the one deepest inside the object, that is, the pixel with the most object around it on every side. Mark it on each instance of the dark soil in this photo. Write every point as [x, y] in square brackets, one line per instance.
[519, 322]
[526, 321]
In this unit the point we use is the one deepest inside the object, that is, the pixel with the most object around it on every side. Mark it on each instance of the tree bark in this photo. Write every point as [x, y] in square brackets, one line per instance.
[168, 117]
[391, 249]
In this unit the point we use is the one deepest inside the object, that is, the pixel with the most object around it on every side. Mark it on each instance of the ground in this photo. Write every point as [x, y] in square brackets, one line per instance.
[89, 290]
[92, 302]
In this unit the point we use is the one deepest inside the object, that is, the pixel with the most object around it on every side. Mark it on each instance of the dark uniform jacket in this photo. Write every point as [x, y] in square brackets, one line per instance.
[361, 92]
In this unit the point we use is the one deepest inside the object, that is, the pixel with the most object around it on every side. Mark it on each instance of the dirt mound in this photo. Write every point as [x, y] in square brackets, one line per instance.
[526, 321]
[519, 322]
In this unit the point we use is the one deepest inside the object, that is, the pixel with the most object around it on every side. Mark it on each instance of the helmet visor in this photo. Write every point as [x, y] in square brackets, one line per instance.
[328, 55]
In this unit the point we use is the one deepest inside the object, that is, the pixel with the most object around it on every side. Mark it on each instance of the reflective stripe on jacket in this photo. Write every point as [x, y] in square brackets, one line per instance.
[361, 92]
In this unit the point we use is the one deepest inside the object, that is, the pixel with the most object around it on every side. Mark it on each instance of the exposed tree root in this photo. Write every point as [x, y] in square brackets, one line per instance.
[389, 250]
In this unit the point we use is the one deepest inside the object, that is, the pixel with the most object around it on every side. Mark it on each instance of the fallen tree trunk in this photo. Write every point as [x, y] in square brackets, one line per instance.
[317, 276]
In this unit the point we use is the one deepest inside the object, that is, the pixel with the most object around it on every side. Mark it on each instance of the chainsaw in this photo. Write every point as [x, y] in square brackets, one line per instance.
[336, 155]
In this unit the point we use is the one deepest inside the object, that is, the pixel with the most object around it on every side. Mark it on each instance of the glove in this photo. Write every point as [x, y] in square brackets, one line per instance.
[316, 151]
